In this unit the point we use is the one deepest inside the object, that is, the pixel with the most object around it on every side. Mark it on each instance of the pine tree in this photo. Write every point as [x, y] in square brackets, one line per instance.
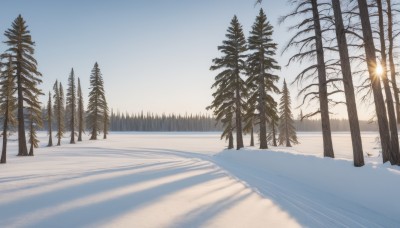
[261, 64]
[59, 110]
[7, 103]
[50, 120]
[97, 103]
[21, 47]
[228, 102]
[80, 111]
[287, 131]
[35, 122]
[71, 104]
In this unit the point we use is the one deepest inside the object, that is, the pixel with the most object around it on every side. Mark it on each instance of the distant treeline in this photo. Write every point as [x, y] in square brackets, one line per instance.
[162, 122]
[205, 122]
[336, 125]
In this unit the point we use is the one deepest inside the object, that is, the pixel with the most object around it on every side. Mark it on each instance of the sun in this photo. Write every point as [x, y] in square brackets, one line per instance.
[379, 69]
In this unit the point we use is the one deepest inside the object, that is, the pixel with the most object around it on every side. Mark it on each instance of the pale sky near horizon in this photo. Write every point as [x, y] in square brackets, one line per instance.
[154, 55]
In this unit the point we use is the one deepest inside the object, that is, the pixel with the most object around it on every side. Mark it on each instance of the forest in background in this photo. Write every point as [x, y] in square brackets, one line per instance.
[205, 122]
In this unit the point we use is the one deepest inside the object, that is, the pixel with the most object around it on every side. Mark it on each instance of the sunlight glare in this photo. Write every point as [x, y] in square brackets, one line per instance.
[379, 69]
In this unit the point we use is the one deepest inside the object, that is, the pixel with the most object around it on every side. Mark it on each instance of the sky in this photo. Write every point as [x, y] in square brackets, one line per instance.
[154, 55]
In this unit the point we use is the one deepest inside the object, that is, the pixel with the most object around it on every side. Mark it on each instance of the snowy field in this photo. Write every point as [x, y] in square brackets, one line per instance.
[188, 180]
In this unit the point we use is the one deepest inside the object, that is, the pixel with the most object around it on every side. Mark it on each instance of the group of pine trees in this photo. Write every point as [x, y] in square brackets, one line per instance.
[68, 114]
[340, 44]
[245, 85]
[20, 107]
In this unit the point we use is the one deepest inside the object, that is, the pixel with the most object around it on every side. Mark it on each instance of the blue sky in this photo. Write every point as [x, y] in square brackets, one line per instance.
[154, 55]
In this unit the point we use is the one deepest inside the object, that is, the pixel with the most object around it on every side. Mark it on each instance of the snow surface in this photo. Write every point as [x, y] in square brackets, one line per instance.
[188, 180]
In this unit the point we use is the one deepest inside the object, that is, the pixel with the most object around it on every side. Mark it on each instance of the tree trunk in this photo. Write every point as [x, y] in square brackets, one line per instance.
[394, 157]
[239, 135]
[105, 129]
[358, 156]
[4, 150]
[72, 141]
[80, 124]
[94, 130]
[31, 136]
[323, 94]
[391, 59]
[375, 82]
[31, 150]
[230, 143]
[22, 149]
[261, 103]
[50, 132]
[273, 134]
[59, 123]
[287, 130]
[252, 137]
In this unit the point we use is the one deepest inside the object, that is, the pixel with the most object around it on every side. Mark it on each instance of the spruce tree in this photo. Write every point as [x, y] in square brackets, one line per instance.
[50, 120]
[21, 47]
[35, 122]
[261, 63]
[7, 103]
[80, 111]
[97, 103]
[231, 88]
[287, 131]
[59, 110]
[71, 104]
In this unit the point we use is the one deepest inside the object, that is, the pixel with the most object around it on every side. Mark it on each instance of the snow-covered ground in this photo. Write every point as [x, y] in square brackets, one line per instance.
[188, 180]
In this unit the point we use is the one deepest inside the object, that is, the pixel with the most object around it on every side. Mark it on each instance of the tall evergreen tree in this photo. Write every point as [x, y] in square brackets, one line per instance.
[261, 64]
[231, 88]
[35, 122]
[71, 104]
[21, 47]
[59, 110]
[97, 103]
[50, 120]
[287, 131]
[7, 103]
[80, 111]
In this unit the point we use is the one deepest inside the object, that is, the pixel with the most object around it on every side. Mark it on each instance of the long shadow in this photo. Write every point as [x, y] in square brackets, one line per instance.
[43, 185]
[307, 205]
[199, 217]
[16, 209]
[104, 211]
